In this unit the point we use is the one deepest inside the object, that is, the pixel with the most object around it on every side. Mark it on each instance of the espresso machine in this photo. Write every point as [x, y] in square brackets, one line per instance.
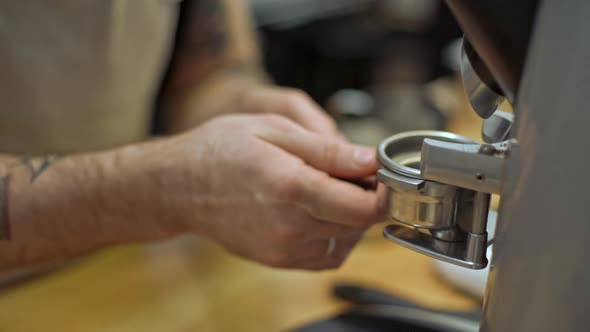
[436, 186]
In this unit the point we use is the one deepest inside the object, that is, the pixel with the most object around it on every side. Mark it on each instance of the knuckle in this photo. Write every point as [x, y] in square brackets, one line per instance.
[287, 233]
[224, 121]
[274, 119]
[330, 122]
[295, 99]
[279, 121]
[286, 186]
[330, 152]
[295, 93]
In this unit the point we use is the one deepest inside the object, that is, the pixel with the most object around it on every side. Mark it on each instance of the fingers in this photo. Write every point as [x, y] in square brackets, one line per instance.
[310, 188]
[330, 155]
[323, 197]
[340, 202]
[368, 182]
[295, 105]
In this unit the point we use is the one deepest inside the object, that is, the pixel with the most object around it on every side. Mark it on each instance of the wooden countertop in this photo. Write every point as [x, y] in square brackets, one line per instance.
[191, 285]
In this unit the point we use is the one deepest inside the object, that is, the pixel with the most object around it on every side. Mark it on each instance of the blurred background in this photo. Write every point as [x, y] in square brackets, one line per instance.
[379, 67]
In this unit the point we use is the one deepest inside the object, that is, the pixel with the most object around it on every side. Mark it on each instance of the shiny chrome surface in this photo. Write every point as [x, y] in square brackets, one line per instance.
[540, 275]
[497, 127]
[403, 195]
[401, 153]
[462, 253]
[415, 202]
[477, 167]
[437, 218]
[482, 98]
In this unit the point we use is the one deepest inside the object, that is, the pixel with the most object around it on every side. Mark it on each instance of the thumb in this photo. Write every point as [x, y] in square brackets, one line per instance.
[328, 154]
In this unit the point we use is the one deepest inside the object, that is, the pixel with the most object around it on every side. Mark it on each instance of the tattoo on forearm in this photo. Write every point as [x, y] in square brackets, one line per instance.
[202, 28]
[4, 221]
[37, 166]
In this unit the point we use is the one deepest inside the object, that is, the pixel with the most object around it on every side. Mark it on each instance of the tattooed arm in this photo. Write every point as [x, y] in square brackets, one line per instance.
[55, 208]
[270, 211]
[215, 59]
[216, 70]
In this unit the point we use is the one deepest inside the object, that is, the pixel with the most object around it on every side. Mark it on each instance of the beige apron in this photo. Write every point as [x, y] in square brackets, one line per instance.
[79, 75]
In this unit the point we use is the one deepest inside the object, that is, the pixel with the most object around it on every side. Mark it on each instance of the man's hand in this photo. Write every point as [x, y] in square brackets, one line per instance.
[291, 103]
[264, 187]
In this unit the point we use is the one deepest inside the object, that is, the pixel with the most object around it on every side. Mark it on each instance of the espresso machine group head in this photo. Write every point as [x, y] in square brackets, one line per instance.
[435, 186]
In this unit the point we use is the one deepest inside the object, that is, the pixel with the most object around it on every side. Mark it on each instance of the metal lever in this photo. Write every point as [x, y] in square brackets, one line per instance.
[497, 127]
[469, 253]
[482, 90]
[472, 166]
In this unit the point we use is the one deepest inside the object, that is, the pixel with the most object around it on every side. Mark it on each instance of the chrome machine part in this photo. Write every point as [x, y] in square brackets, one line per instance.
[473, 166]
[416, 202]
[483, 96]
[401, 153]
[499, 31]
[441, 209]
[461, 253]
[540, 277]
[403, 193]
[497, 127]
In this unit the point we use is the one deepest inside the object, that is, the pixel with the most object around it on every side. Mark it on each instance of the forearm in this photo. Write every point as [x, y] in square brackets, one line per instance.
[216, 58]
[54, 209]
[221, 94]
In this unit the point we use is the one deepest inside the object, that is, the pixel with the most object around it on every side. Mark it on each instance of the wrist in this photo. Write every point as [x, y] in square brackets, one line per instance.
[140, 192]
[85, 202]
[168, 184]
